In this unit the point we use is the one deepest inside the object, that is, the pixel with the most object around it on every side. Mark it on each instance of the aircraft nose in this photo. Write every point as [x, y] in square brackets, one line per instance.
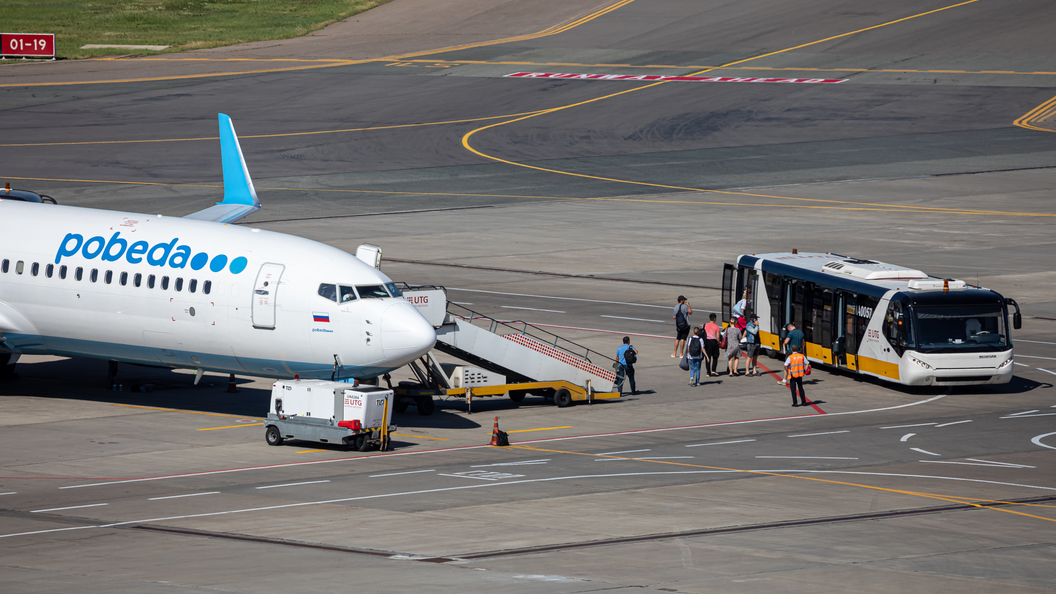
[405, 334]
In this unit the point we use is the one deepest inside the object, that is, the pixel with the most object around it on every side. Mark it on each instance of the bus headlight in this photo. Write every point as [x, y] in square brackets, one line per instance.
[921, 363]
[1007, 362]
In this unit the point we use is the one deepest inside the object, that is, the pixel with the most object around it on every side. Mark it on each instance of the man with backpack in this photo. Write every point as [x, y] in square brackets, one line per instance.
[796, 366]
[681, 316]
[695, 355]
[627, 356]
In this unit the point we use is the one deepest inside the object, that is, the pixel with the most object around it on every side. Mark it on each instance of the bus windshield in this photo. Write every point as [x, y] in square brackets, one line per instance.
[960, 327]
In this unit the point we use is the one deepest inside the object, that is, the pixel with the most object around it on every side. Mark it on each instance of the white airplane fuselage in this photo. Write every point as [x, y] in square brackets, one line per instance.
[179, 292]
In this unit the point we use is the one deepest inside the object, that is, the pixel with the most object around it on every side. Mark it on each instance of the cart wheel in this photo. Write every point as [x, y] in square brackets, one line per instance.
[518, 395]
[272, 435]
[563, 398]
[425, 405]
[400, 406]
[362, 443]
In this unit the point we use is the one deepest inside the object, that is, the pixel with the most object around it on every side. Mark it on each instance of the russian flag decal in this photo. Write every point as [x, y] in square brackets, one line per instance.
[320, 317]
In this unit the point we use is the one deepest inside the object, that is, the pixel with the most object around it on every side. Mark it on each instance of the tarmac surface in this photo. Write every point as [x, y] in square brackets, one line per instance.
[586, 206]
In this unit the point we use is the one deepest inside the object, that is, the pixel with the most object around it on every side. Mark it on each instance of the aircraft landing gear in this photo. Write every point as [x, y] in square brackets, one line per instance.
[111, 373]
[7, 367]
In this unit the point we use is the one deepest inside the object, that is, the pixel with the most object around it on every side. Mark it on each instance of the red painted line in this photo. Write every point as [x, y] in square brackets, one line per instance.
[662, 78]
[812, 405]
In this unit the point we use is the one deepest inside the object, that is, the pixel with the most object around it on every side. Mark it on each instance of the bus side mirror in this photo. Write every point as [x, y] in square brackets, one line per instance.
[1017, 321]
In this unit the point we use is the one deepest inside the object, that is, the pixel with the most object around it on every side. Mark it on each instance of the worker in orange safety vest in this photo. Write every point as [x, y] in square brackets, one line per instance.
[796, 367]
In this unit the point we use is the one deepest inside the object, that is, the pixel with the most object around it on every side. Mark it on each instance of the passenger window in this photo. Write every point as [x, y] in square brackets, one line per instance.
[150, 282]
[5, 266]
[62, 272]
[35, 269]
[328, 292]
[20, 267]
[94, 276]
[372, 292]
[79, 275]
[193, 285]
[207, 286]
[164, 283]
[49, 270]
[347, 294]
[108, 276]
[137, 280]
[124, 278]
[179, 283]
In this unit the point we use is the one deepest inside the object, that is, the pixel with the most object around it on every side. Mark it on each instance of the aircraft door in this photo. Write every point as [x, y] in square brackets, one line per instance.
[265, 292]
[727, 293]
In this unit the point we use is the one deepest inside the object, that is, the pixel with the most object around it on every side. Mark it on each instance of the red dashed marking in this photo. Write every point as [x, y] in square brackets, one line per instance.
[662, 78]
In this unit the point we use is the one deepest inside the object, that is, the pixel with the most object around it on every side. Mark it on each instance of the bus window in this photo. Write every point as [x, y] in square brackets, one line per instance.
[850, 342]
[348, 294]
[895, 329]
[751, 285]
[801, 302]
[823, 317]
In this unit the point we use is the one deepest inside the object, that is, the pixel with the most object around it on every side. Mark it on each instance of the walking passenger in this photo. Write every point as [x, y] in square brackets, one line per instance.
[627, 355]
[733, 347]
[711, 345]
[795, 368]
[695, 348]
[752, 333]
[681, 316]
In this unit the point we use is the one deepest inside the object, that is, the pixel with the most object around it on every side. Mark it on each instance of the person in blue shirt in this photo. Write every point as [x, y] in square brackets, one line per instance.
[752, 334]
[626, 368]
[794, 338]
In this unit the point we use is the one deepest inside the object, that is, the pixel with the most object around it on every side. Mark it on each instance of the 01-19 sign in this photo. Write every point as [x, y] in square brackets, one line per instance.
[32, 45]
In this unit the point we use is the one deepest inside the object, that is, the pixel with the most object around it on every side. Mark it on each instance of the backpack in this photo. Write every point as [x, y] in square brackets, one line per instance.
[629, 356]
[694, 347]
[680, 318]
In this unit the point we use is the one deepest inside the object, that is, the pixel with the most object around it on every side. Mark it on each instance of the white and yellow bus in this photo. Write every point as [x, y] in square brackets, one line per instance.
[887, 321]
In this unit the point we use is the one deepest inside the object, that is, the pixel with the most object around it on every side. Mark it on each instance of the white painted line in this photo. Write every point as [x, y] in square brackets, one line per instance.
[666, 458]
[270, 508]
[1026, 412]
[809, 457]
[907, 436]
[531, 309]
[1037, 441]
[953, 423]
[904, 426]
[635, 319]
[1033, 357]
[925, 452]
[562, 298]
[813, 434]
[38, 511]
[1022, 416]
[483, 475]
[697, 445]
[9, 493]
[1021, 364]
[623, 452]
[186, 495]
[292, 484]
[973, 464]
[399, 473]
[1046, 371]
[1034, 341]
[524, 463]
[1012, 464]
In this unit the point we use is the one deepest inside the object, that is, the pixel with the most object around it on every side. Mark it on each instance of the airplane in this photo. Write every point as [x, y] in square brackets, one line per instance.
[196, 292]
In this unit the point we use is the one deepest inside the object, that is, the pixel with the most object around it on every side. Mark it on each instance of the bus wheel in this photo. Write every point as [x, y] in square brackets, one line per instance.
[425, 405]
[563, 398]
[272, 435]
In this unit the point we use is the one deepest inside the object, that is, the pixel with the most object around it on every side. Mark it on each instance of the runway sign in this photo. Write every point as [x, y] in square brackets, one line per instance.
[661, 78]
[33, 45]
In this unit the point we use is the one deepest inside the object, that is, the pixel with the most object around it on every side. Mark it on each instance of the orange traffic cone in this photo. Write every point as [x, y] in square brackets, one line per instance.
[495, 433]
[231, 388]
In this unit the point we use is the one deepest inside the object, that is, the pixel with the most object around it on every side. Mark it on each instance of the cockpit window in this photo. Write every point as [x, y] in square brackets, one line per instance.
[372, 292]
[394, 290]
[347, 294]
[328, 292]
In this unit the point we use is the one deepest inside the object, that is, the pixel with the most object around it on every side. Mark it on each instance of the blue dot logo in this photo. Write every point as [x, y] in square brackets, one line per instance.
[199, 260]
[238, 265]
[218, 263]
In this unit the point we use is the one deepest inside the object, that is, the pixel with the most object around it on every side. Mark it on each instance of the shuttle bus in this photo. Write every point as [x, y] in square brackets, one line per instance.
[890, 322]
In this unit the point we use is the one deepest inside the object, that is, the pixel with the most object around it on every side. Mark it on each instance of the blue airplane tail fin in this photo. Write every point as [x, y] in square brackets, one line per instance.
[240, 197]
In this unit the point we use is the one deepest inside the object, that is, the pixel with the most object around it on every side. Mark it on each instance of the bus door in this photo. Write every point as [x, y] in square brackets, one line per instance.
[846, 344]
[751, 286]
[822, 322]
[727, 294]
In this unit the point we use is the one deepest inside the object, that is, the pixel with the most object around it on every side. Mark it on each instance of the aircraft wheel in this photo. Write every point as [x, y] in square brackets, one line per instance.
[272, 435]
[400, 405]
[563, 398]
